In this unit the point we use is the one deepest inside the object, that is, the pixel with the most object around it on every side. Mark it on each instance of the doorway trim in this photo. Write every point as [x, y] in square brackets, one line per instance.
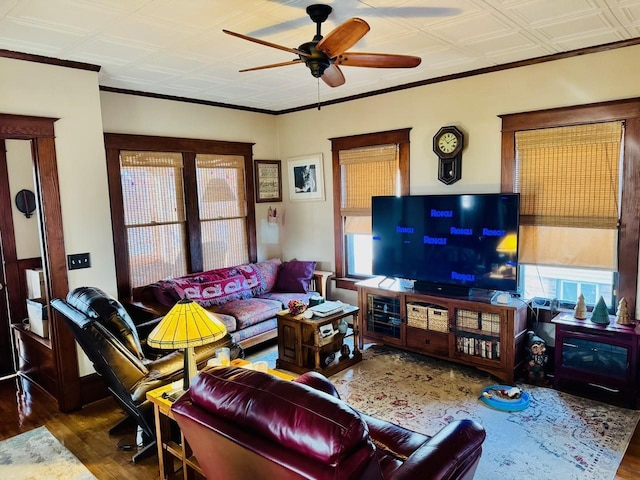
[40, 131]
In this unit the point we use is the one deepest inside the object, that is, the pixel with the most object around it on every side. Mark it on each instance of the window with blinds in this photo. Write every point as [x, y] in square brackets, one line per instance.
[223, 210]
[367, 165]
[365, 173]
[178, 206]
[154, 215]
[569, 184]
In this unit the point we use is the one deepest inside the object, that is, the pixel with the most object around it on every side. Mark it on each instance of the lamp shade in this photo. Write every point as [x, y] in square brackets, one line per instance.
[186, 325]
[509, 244]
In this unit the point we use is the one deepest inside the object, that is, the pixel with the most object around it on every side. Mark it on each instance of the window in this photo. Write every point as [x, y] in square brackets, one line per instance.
[178, 206]
[223, 210]
[367, 165]
[568, 180]
[573, 169]
[567, 283]
[154, 216]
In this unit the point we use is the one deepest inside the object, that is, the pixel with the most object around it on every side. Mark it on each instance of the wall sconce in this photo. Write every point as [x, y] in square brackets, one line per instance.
[26, 202]
[272, 215]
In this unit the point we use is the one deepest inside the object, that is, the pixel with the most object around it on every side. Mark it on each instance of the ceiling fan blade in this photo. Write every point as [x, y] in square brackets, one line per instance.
[343, 37]
[377, 60]
[273, 65]
[333, 76]
[268, 44]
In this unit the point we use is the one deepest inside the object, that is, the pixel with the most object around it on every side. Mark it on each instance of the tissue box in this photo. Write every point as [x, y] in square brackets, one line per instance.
[38, 320]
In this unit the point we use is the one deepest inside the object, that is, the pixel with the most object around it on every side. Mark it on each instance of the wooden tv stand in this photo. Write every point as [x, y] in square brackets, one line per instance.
[470, 331]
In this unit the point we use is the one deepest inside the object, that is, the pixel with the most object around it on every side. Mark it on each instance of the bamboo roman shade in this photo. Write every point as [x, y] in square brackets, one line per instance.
[366, 172]
[569, 184]
[223, 210]
[154, 215]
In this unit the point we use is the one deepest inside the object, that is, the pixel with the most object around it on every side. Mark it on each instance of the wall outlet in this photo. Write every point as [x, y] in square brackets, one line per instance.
[78, 260]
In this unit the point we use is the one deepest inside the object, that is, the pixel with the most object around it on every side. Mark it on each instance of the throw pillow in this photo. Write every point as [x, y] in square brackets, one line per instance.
[164, 292]
[295, 276]
[269, 272]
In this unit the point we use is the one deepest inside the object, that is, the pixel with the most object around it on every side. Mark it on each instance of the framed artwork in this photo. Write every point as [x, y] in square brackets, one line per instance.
[306, 178]
[268, 178]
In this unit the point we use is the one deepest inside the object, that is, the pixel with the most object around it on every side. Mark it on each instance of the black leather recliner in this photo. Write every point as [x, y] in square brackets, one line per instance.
[117, 348]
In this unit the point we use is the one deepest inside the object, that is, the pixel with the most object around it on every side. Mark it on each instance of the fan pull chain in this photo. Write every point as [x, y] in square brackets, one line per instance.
[318, 93]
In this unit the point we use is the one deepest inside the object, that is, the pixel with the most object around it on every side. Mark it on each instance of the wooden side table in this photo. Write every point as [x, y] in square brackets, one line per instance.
[169, 451]
[301, 345]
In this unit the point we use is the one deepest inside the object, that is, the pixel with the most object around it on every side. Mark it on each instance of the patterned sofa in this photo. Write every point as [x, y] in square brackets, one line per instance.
[245, 297]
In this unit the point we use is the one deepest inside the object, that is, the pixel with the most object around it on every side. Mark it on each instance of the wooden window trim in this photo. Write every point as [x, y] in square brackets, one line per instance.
[624, 110]
[189, 148]
[400, 137]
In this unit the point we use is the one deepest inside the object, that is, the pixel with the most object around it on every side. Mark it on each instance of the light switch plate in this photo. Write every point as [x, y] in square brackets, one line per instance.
[78, 260]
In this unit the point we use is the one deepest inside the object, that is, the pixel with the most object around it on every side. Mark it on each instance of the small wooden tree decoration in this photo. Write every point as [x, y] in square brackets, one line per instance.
[622, 314]
[600, 314]
[581, 308]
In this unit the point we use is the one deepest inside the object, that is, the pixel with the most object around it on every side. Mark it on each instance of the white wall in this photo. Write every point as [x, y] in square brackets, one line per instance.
[71, 95]
[473, 104]
[147, 116]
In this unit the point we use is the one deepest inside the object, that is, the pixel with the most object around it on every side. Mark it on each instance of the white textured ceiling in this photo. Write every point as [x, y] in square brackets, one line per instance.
[177, 48]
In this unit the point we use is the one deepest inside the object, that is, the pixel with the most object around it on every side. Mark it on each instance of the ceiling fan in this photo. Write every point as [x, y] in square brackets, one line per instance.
[323, 55]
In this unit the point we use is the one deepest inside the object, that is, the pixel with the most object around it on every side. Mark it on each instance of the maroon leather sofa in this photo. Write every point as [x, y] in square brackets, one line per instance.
[243, 424]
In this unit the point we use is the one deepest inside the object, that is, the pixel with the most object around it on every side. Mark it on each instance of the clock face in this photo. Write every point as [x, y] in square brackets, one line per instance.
[448, 142]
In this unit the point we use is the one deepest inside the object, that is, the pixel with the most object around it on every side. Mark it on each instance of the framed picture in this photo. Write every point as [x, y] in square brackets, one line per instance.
[306, 179]
[268, 178]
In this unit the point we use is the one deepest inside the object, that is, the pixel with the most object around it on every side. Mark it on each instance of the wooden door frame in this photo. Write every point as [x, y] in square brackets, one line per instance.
[9, 263]
[40, 131]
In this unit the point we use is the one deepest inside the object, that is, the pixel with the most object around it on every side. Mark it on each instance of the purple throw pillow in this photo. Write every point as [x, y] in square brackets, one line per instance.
[295, 276]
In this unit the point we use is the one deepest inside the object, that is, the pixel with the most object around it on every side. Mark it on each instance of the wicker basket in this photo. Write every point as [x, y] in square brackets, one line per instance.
[417, 315]
[438, 319]
[490, 322]
[467, 319]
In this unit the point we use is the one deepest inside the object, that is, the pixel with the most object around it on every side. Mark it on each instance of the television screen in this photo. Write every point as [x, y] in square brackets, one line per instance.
[439, 240]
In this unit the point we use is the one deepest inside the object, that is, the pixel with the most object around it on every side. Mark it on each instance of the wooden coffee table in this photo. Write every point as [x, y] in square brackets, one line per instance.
[301, 346]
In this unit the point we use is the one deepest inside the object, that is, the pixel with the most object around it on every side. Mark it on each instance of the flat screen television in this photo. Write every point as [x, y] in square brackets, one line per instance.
[448, 243]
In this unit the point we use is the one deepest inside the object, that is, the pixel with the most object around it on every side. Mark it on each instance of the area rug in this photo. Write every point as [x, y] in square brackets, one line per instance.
[38, 455]
[559, 436]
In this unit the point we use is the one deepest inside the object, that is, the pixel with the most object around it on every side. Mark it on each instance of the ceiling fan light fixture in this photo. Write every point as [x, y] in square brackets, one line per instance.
[316, 61]
[322, 55]
[318, 66]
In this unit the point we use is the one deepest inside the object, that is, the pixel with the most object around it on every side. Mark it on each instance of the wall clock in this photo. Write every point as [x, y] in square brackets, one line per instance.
[448, 143]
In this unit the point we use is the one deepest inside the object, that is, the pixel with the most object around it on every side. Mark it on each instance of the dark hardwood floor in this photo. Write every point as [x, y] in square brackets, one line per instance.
[85, 433]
